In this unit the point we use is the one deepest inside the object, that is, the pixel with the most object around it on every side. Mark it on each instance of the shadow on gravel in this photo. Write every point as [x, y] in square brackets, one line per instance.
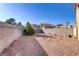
[44, 53]
[38, 50]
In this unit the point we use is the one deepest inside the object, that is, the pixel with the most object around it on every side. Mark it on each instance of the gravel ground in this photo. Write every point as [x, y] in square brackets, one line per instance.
[42, 46]
[59, 46]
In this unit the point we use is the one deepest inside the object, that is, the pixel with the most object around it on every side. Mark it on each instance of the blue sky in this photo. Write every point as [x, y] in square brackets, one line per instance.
[36, 13]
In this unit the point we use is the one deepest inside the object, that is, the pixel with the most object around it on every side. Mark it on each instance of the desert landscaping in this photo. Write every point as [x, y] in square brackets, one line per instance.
[59, 45]
[40, 30]
[51, 42]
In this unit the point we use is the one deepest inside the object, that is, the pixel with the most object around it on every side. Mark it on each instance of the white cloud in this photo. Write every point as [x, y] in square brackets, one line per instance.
[2, 20]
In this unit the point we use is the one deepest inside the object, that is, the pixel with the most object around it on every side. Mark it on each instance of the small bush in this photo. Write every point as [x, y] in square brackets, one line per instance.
[29, 30]
[55, 34]
[70, 36]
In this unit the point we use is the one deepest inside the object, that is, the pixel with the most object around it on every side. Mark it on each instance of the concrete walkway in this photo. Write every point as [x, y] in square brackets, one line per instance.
[24, 46]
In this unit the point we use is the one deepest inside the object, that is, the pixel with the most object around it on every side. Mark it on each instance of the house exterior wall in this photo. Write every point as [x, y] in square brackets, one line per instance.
[77, 20]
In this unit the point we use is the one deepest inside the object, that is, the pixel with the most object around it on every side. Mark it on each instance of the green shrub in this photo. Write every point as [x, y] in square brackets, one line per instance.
[29, 30]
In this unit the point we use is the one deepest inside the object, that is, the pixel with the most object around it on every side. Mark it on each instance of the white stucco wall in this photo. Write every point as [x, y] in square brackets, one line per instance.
[59, 31]
[8, 35]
